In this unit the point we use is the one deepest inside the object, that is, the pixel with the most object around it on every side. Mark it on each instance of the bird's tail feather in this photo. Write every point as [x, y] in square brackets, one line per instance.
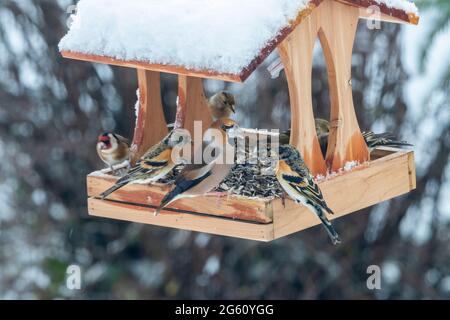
[328, 226]
[169, 198]
[119, 184]
[181, 186]
[374, 140]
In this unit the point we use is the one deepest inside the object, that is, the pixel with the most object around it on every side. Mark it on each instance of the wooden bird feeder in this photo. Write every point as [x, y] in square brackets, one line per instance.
[390, 172]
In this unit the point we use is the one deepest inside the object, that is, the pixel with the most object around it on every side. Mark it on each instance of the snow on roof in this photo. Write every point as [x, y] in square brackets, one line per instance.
[407, 6]
[223, 36]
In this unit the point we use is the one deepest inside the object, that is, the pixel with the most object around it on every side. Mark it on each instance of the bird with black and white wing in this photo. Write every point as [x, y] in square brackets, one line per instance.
[155, 164]
[297, 181]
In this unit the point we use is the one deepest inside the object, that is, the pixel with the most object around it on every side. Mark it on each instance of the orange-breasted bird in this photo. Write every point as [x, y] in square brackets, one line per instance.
[199, 179]
[298, 182]
[372, 139]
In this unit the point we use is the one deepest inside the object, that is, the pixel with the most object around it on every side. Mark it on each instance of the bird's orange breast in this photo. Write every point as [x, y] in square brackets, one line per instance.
[283, 167]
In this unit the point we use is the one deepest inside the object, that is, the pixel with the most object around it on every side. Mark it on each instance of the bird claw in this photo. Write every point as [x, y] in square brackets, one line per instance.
[283, 200]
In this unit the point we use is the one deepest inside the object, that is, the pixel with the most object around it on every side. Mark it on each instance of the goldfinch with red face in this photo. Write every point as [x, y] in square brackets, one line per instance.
[222, 105]
[297, 181]
[113, 149]
[199, 179]
[155, 164]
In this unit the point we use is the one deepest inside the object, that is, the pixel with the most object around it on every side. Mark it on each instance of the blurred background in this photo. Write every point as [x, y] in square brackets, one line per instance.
[51, 111]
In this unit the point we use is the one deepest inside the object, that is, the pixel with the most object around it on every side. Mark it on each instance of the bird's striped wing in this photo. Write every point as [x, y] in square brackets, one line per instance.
[148, 167]
[146, 170]
[304, 185]
[374, 140]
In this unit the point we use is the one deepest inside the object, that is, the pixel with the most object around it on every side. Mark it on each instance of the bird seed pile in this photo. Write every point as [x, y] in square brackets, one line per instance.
[254, 177]
[248, 180]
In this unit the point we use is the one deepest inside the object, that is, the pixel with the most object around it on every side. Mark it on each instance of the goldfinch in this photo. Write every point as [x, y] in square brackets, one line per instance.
[297, 181]
[113, 149]
[155, 164]
[199, 179]
[222, 105]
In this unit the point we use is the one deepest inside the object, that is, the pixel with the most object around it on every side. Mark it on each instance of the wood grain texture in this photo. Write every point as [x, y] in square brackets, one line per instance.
[387, 14]
[338, 23]
[232, 207]
[382, 179]
[154, 67]
[151, 124]
[192, 102]
[367, 185]
[199, 223]
[296, 53]
[335, 24]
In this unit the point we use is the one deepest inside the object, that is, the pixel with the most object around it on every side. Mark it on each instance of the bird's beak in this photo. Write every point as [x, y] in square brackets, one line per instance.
[233, 108]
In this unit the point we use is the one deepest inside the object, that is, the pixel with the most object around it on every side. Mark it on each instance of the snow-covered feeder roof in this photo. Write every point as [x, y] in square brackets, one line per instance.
[221, 39]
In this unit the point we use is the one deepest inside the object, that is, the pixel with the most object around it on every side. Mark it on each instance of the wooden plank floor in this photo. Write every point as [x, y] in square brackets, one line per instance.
[391, 174]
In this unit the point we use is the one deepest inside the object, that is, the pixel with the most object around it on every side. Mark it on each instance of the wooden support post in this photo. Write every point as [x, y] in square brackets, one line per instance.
[297, 55]
[338, 24]
[151, 125]
[335, 23]
[192, 104]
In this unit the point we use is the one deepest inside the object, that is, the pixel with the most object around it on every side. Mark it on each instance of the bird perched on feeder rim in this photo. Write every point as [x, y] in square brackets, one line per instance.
[199, 179]
[113, 149]
[372, 140]
[297, 181]
[155, 164]
[222, 105]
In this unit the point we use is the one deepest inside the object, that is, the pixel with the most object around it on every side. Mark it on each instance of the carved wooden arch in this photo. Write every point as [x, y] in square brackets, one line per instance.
[335, 24]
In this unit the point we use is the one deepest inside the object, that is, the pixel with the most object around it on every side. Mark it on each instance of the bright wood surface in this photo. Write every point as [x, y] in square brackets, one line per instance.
[233, 207]
[296, 53]
[185, 221]
[151, 125]
[387, 14]
[155, 67]
[367, 185]
[382, 179]
[335, 24]
[192, 102]
[338, 23]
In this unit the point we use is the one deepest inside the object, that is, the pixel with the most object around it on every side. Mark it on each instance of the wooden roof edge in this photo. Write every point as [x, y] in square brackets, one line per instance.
[241, 77]
[388, 14]
[394, 15]
[153, 66]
